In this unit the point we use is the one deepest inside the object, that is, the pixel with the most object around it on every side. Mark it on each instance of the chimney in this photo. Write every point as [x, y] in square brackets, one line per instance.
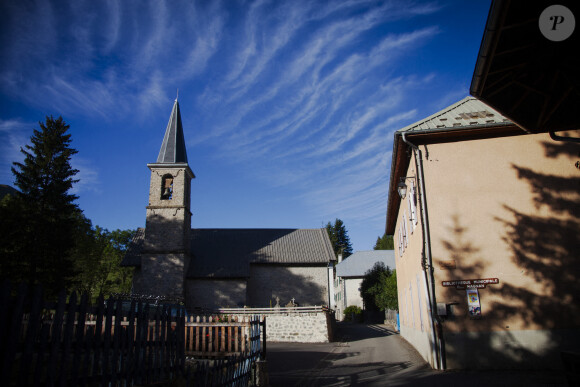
[339, 257]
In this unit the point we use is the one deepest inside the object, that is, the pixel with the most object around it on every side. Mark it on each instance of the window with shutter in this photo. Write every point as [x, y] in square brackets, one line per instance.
[405, 233]
[413, 204]
[400, 242]
[410, 205]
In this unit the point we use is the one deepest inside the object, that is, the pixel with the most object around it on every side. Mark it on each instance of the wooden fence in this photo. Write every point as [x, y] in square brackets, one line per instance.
[271, 311]
[118, 342]
[221, 335]
[71, 343]
[232, 371]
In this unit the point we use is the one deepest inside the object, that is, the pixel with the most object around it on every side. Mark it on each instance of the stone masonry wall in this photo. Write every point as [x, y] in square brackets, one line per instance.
[299, 328]
[161, 275]
[214, 293]
[308, 285]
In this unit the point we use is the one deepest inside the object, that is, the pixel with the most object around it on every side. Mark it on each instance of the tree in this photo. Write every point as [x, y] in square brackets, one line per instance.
[379, 288]
[43, 225]
[385, 242]
[98, 254]
[339, 238]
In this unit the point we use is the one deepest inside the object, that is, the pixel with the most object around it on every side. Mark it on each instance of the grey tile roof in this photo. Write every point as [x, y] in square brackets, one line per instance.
[360, 262]
[173, 146]
[467, 113]
[228, 253]
[223, 253]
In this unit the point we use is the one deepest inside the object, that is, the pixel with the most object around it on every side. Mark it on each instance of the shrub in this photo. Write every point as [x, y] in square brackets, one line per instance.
[352, 313]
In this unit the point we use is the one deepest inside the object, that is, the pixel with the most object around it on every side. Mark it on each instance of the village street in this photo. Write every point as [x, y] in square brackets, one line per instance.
[375, 355]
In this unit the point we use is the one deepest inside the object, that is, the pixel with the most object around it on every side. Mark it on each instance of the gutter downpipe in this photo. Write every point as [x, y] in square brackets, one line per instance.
[555, 137]
[436, 327]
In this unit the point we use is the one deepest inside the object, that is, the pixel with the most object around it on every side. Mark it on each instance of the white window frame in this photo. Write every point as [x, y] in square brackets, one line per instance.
[405, 232]
[412, 206]
[400, 242]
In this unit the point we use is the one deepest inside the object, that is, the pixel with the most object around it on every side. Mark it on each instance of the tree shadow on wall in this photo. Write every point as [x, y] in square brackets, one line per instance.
[545, 248]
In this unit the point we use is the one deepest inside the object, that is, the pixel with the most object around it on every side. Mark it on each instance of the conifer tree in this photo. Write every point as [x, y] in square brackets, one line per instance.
[339, 238]
[47, 209]
[385, 242]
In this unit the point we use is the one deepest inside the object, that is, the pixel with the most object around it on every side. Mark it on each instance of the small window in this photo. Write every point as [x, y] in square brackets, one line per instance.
[167, 187]
[405, 232]
[412, 207]
[401, 249]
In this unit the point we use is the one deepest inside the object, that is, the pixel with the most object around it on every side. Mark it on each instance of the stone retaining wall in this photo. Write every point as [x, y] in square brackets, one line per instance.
[314, 327]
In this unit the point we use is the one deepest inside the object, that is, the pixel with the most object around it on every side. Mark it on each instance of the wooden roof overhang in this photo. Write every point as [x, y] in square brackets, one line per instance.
[532, 80]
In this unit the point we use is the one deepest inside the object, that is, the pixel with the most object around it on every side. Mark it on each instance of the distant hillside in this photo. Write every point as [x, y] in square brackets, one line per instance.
[7, 190]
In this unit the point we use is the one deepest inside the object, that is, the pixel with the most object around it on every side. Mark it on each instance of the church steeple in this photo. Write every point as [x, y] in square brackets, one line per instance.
[173, 146]
[168, 220]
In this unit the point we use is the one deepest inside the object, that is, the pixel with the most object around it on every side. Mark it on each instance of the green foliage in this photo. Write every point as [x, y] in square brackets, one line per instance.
[39, 220]
[379, 288]
[44, 236]
[386, 242]
[339, 238]
[352, 313]
[98, 254]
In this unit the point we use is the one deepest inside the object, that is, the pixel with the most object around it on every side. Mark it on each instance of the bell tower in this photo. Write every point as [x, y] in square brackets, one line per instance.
[166, 248]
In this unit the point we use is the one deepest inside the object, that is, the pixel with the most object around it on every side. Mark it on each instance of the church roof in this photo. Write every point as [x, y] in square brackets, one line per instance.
[173, 146]
[228, 253]
[360, 262]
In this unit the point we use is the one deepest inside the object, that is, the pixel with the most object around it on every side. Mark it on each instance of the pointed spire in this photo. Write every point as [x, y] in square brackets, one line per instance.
[173, 147]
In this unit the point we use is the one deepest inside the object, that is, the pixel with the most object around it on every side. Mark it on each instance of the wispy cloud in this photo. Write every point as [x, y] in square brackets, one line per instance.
[305, 95]
[88, 176]
[14, 135]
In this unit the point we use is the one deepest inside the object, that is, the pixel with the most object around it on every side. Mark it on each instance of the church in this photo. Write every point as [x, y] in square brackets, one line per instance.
[220, 268]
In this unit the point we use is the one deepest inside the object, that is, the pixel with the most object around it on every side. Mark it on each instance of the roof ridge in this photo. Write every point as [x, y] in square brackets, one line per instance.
[436, 121]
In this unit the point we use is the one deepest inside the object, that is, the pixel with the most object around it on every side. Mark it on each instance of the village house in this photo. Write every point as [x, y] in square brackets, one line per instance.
[485, 205]
[350, 273]
[486, 220]
[218, 268]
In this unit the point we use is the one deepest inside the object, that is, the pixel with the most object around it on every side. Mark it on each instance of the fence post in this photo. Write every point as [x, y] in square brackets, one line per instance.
[263, 353]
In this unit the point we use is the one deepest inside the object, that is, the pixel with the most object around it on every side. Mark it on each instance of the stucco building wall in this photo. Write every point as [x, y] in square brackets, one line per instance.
[352, 291]
[505, 208]
[414, 318]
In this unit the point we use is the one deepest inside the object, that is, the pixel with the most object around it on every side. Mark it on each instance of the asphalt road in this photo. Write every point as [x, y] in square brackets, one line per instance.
[373, 355]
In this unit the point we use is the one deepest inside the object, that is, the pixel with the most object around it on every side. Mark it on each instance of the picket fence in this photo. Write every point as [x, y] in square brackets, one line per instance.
[118, 342]
[222, 335]
[235, 370]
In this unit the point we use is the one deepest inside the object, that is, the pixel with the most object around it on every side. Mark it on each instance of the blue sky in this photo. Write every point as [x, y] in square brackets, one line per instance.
[288, 107]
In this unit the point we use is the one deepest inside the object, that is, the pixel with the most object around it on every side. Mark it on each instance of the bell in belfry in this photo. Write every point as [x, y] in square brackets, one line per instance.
[168, 191]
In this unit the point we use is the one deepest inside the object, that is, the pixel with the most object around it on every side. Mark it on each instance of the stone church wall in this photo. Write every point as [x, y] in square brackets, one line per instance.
[215, 293]
[161, 275]
[308, 285]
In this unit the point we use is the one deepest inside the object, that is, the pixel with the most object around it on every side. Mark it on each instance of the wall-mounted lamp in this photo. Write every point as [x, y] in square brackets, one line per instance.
[402, 187]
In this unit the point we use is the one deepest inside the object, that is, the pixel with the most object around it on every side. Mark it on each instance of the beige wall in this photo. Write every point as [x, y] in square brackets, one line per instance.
[347, 293]
[505, 208]
[413, 303]
[352, 292]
